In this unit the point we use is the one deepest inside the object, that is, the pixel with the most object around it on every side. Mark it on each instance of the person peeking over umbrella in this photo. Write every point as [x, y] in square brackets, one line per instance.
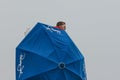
[61, 25]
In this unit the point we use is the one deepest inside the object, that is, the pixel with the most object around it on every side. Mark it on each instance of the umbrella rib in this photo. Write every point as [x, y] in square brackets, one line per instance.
[73, 62]
[41, 73]
[65, 75]
[39, 55]
[52, 43]
[74, 73]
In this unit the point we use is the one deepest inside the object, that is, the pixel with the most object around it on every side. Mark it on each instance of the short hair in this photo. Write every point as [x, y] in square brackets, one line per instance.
[60, 23]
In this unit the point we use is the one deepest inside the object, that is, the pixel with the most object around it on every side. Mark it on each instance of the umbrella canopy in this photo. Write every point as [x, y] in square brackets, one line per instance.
[48, 53]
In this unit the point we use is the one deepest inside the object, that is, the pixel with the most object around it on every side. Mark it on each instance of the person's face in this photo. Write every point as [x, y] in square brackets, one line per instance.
[63, 27]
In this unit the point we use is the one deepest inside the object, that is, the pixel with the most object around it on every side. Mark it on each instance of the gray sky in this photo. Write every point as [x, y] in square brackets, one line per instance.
[94, 26]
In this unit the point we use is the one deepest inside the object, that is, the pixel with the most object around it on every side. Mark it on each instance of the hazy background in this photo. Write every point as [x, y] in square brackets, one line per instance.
[94, 26]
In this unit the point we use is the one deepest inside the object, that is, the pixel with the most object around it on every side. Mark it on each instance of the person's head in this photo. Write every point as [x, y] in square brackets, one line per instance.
[61, 24]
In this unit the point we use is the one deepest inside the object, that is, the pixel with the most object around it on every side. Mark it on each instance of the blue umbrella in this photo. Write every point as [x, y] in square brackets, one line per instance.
[48, 53]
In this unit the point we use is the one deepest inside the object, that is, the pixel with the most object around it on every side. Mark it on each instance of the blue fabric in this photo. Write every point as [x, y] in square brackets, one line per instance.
[48, 53]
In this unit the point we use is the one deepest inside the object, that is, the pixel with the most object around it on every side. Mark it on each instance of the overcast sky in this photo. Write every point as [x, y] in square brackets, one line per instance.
[94, 26]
